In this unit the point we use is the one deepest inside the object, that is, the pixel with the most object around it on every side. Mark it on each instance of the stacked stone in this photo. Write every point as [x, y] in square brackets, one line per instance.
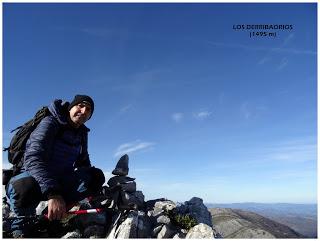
[128, 197]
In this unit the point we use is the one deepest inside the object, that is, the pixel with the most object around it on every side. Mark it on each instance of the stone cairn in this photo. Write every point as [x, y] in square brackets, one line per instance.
[131, 216]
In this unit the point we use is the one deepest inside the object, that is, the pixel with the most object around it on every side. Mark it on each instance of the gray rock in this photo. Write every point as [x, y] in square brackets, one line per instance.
[180, 235]
[139, 196]
[6, 212]
[41, 207]
[122, 167]
[156, 230]
[144, 225]
[128, 228]
[162, 219]
[74, 234]
[94, 231]
[200, 231]
[199, 211]
[167, 231]
[111, 232]
[129, 186]
[113, 181]
[6, 226]
[165, 205]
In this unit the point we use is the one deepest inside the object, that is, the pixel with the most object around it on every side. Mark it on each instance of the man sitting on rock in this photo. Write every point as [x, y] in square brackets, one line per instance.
[56, 164]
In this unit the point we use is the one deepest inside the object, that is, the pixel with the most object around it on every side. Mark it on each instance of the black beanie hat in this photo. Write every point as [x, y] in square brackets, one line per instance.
[82, 98]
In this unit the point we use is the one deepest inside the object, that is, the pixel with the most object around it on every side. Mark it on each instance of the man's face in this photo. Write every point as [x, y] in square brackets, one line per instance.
[80, 113]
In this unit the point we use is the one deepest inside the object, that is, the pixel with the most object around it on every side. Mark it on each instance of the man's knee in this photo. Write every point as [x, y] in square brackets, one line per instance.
[24, 191]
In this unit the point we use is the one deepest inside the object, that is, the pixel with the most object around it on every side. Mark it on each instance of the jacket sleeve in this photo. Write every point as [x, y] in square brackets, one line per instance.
[84, 160]
[38, 150]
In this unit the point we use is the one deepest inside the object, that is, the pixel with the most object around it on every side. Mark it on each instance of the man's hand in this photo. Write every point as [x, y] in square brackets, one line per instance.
[56, 208]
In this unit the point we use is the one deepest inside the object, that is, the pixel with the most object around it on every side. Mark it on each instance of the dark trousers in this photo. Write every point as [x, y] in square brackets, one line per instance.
[25, 194]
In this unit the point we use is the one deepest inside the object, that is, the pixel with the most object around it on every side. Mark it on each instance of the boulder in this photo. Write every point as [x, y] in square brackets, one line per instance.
[200, 231]
[156, 230]
[164, 205]
[179, 235]
[198, 211]
[163, 219]
[167, 231]
[128, 228]
[122, 167]
[74, 234]
[94, 231]
[144, 225]
[41, 207]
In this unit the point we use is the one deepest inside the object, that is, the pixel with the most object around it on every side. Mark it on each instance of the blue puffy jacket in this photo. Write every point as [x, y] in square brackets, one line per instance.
[54, 149]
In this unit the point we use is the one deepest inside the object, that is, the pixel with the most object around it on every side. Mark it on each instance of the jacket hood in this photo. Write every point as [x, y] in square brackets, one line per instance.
[59, 110]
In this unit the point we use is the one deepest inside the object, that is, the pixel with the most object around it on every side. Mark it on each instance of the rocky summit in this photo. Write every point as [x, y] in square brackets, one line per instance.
[160, 218]
[121, 212]
[240, 224]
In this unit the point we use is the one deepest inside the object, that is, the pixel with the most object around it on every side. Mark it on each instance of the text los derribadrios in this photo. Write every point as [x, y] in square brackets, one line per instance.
[263, 26]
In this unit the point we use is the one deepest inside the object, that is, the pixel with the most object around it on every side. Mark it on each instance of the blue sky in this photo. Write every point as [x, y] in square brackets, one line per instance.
[202, 109]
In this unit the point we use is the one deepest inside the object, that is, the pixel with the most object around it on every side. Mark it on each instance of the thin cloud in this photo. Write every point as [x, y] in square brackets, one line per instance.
[133, 147]
[126, 108]
[288, 39]
[294, 174]
[250, 111]
[245, 110]
[282, 50]
[283, 64]
[222, 98]
[263, 60]
[106, 32]
[202, 115]
[177, 117]
[293, 151]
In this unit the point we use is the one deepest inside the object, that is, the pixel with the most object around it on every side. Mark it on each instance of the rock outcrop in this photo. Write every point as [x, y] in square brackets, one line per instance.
[158, 218]
[236, 223]
[126, 215]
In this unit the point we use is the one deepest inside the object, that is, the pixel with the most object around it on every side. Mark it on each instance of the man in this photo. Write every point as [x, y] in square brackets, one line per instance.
[56, 165]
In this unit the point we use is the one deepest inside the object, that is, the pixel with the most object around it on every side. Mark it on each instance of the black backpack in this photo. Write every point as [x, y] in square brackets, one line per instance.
[18, 142]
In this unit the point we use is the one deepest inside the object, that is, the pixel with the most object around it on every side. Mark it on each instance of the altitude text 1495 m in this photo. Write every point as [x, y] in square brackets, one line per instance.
[263, 34]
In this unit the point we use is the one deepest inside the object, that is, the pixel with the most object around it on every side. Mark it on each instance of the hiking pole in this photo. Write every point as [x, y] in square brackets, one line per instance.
[84, 211]
[77, 212]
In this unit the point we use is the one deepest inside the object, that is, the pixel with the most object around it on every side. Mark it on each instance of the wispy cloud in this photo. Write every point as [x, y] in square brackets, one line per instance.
[293, 174]
[283, 63]
[131, 147]
[245, 110]
[250, 110]
[288, 39]
[125, 108]
[263, 60]
[104, 32]
[177, 117]
[292, 152]
[144, 80]
[202, 115]
[279, 50]
[222, 98]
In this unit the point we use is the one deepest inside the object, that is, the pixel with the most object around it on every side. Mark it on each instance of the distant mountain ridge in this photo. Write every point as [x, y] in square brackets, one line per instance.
[236, 223]
[300, 217]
